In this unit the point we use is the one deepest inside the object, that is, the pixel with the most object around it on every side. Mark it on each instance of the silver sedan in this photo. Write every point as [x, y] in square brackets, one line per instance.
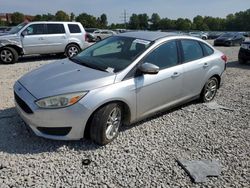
[120, 80]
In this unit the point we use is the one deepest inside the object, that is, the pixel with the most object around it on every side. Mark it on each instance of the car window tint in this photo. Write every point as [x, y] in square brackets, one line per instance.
[111, 48]
[192, 50]
[35, 29]
[74, 28]
[164, 56]
[55, 28]
[207, 49]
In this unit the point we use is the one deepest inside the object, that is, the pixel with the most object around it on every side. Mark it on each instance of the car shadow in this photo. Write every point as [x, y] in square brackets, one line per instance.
[159, 114]
[27, 59]
[15, 138]
[236, 64]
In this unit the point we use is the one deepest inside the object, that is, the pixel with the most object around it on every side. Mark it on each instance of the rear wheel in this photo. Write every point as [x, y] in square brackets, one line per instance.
[105, 124]
[72, 50]
[98, 38]
[8, 55]
[210, 89]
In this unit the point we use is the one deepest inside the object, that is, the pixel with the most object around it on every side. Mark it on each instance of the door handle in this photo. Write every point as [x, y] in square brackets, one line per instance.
[175, 74]
[63, 37]
[205, 65]
[41, 38]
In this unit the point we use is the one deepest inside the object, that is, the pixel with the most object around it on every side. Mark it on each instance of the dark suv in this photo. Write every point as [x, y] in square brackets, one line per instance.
[244, 53]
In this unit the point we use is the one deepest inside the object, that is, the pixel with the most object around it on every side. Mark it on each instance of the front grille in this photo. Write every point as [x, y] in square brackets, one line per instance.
[55, 131]
[22, 104]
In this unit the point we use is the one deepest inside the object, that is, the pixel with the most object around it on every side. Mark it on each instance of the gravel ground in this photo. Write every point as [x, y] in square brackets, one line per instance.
[144, 154]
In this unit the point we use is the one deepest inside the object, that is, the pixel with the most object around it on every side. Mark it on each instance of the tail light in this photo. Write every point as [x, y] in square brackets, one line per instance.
[224, 58]
[86, 37]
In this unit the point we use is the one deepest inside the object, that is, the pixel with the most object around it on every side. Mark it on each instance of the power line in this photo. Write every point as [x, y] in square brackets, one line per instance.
[124, 18]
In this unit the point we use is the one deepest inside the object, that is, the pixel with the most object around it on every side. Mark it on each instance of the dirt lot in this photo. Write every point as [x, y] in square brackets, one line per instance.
[145, 153]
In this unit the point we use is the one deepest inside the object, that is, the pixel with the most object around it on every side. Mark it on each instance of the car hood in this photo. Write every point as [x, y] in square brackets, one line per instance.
[10, 39]
[64, 77]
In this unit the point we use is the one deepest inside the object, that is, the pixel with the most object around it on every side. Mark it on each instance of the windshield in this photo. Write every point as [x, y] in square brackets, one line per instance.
[112, 54]
[17, 28]
[228, 35]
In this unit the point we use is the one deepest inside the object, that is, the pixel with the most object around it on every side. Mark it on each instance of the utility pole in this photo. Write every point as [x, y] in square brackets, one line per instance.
[124, 18]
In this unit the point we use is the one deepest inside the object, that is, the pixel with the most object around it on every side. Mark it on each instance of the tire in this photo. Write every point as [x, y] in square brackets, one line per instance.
[209, 90]
[242, 61]
[72, 50]
[229, 43]
[203, 38]
[8, 55]
[105, 124]
[98, 38]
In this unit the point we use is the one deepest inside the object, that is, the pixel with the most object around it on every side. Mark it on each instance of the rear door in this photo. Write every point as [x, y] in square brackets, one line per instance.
[56, 38]
[155, 92]
[195, 67]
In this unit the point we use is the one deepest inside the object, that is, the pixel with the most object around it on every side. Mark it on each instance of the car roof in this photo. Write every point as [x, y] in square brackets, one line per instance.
[147, 35]
[51, 22]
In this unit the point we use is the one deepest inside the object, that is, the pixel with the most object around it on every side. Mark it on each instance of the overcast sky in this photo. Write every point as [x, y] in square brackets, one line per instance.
[114, 8]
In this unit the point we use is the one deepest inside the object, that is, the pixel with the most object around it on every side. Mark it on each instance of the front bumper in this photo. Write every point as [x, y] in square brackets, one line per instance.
[70, 120]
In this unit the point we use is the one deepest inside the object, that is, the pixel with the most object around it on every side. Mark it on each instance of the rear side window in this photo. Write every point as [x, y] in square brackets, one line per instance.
[191, 50]
[164, 56]
[55, 28]
[207, 50]
[74, 28]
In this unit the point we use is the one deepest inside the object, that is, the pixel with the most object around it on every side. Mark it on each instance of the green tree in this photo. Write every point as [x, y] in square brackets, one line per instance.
[134, 22]
[103, 20]
[143, 21]
[155, 19]
[87, 20]
[61, 16]
[198, 21]
[72, 16]
[17, 18]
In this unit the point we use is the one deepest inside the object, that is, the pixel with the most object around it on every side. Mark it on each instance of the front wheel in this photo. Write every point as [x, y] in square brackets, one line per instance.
[72, 50]
[210, 89]
[242, 61]
[8, 55]
[105, 124]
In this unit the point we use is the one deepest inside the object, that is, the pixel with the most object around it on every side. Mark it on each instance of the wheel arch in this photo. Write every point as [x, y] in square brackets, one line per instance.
[75, 43]
[17, 48]
[125, 108]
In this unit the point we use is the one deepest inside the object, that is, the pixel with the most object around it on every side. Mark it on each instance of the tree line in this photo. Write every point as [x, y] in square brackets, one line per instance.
[233, 22]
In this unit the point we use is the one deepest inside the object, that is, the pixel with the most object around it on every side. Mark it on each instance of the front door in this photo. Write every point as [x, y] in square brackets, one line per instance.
[156, 92]
[34, 39]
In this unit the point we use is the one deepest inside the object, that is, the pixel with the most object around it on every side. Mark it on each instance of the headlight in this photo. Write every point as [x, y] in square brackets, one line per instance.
[60, 101]
[244, 46]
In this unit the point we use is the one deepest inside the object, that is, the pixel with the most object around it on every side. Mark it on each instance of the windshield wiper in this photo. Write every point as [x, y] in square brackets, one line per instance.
[80, 62]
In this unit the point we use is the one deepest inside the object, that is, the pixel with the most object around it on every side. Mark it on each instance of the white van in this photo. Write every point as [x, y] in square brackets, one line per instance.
[67, 38]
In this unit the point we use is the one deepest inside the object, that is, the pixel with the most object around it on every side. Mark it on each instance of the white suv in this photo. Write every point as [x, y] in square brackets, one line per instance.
[67, 38]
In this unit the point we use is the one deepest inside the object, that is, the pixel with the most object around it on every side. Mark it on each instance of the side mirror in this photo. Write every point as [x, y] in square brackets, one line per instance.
[24, 33]
[149, 68]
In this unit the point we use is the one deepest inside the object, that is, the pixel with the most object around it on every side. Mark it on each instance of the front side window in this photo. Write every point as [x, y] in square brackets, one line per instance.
[55, 28]
[164, 56]
[191, 50]
[35, 29]
[112, 54]
[74, 28]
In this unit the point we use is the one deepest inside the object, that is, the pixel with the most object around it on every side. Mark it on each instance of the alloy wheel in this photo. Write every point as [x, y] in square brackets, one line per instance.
[113, 123]
[210, 89]
[6, 56]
